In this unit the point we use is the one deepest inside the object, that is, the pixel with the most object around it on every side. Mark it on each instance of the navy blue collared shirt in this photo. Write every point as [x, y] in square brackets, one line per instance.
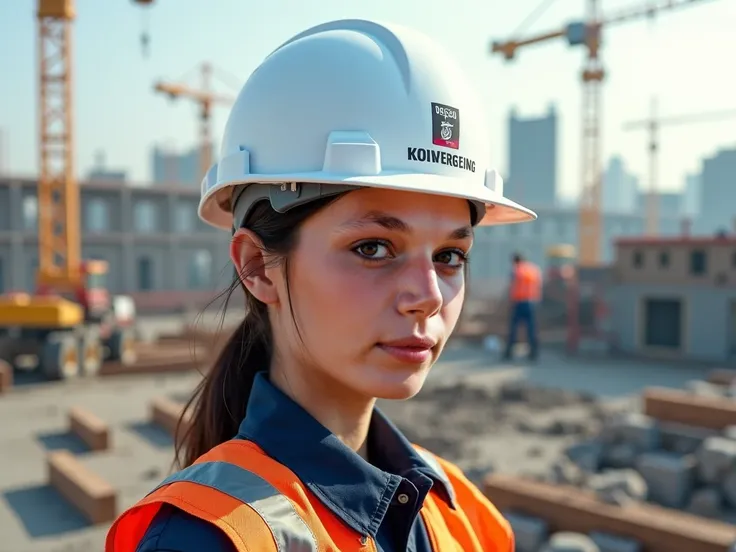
[380, 499]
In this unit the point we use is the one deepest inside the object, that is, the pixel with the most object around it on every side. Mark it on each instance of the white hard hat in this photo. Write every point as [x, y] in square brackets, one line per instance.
[348, 104]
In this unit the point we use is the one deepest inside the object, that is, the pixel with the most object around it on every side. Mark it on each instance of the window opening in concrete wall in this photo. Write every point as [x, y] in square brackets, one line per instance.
[698, 262]
[664, 259]
[144, 216]
[184, 216]
[638, 259]
[98, 216]
[30, 213]
[145, 274]
[200, 269]
[663, 323]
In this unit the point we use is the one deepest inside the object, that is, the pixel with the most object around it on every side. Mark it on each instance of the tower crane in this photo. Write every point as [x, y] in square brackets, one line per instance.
[588, 34]
[68, 323]
[206, 99]
[653, 125]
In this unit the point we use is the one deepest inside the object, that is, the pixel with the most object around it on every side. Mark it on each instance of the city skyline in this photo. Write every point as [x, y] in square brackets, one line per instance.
[118, 112]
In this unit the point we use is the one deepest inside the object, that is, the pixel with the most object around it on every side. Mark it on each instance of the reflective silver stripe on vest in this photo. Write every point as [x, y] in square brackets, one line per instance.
[290, 531]
[429, 458]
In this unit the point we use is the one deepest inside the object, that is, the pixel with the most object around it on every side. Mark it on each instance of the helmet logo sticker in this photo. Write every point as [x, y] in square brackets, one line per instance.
[445, 126]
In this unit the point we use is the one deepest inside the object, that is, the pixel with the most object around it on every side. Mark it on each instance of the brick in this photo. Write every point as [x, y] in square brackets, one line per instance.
[613, 543]
[587, 455]
[716, 459]
[669, 405]
[167, 413]
[729, 488]
[570, 542]
[6, 377]
[89, 493]
[89, 428]
[684, 439]
[619, 486]
[568, 509]
[670, 478]
[634, 428]
[530, 533]
[706, 502]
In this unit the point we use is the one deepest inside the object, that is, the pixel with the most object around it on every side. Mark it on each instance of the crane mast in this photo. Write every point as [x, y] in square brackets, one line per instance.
[59, 255]
[587, 33]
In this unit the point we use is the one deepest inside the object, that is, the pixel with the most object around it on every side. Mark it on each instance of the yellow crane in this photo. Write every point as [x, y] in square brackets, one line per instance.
[205, 99]
[653, 124]
[587, 33]
[68, 324]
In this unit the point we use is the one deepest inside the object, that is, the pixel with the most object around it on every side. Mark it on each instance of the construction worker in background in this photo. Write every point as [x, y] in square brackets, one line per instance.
[525, 291]
[351, 191]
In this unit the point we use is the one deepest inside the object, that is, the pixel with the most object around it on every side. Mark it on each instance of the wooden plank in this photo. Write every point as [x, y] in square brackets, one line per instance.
[87, 491]
[570, 509]
[166, 413]
[6, 377]
[162, 365]
[672, 405]
[89, 428]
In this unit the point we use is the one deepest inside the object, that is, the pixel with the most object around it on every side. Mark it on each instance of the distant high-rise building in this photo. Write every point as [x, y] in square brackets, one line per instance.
[691, 196]
[175, 169]
[620, 188]
[718, 193]
[532, 167]
[100, 173]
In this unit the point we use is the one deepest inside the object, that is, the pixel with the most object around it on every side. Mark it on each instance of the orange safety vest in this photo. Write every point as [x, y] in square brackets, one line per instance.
[527, 282]
[262, 506]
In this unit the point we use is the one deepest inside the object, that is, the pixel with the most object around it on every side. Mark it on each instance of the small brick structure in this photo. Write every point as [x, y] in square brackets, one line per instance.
[166, 414]
[566, 508]
[6, 377]
[89, 428]
[88, 492]
[670, 405]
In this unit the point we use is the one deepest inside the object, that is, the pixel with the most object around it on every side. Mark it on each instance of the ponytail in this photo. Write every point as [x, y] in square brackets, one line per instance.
[218, 404]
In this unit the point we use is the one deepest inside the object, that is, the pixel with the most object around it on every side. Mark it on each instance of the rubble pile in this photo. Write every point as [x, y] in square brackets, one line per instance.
[512, 426]
[533, 535]
[636, 458]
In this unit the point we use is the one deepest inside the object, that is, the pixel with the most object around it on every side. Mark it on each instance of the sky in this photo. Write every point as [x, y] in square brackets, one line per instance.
[685, 58]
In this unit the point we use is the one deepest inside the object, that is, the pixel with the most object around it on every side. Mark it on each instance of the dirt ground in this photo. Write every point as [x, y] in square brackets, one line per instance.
[474, 410]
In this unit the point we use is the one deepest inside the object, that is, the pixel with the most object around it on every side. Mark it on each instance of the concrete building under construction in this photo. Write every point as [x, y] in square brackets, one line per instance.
[675, 297]
[157, 249]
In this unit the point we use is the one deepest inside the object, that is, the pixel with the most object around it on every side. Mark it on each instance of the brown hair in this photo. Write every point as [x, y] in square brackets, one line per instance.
[219, 402]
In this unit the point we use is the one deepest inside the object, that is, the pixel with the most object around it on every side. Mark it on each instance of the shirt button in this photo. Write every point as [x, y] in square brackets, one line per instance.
[403, 498]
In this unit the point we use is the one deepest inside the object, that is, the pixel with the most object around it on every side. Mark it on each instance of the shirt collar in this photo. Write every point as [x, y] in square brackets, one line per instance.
[355, 490]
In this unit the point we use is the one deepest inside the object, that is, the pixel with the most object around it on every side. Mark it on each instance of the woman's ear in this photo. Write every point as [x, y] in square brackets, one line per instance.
[246, 253]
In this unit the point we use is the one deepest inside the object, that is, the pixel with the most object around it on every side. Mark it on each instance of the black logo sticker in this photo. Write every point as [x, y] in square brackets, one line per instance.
[445, 126]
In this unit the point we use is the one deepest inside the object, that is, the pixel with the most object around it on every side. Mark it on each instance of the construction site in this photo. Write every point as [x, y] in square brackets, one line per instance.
[620, 437]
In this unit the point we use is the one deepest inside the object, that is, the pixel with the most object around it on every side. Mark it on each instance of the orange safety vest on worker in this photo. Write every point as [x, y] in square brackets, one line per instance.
[262, 506]
[526, 282]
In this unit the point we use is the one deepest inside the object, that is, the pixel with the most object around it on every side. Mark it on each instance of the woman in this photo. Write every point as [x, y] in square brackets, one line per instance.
[351, 190]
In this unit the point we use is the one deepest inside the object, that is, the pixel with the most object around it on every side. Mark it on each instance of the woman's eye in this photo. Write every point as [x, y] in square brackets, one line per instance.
[372, 250]
[451, 258]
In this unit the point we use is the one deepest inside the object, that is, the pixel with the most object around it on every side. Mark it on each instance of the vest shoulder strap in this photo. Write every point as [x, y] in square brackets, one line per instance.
[290, 532]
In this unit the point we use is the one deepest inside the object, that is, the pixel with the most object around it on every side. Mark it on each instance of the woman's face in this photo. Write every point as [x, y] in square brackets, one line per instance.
[377, 286]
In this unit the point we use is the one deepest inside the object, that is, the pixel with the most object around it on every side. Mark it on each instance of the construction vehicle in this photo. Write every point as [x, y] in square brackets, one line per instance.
[69, 324]
[588, 33]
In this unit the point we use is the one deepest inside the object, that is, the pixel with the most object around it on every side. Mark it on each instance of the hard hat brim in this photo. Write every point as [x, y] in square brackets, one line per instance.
[499, 209]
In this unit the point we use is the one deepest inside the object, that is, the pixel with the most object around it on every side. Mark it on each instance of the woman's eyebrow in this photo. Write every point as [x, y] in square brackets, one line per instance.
[390, 222]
